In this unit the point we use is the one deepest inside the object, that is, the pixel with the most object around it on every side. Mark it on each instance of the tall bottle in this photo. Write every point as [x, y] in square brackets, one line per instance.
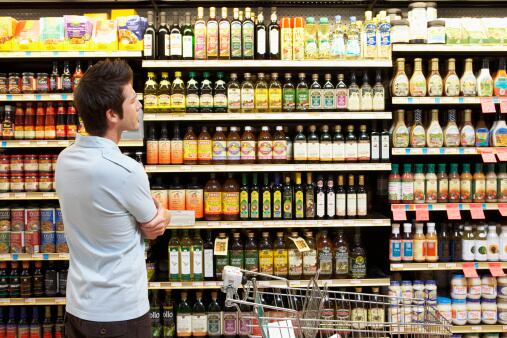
[320, 198]
[266, 254]
[261, 94]
[255, 203]
[484, 80]
[288, 198]
[261, 39]
[400, 84]
[324, 38]
[176, 39]
[213, 199]
[212, 41]
[467, 131]
[500, 81]
[451, 81]
[366, 94]
[233, 95]
[164, 47]
[384, 45]
[434, 133]
[184, 317]
[353, 39]
[354, 99]
[295, 257]
[451, 131]
[468, 82]
[341, 256]
[315, 94]
[418, 81]
[206, 94]
[435, 85]
[275, 94]
[236, 36]
[230, 199]
[330, 199]
[378, 103]
[188, 39]
[248, 35]
[302, 94]
[247, 95]
[357, 258]
[177, 94]
[224, 36]
[192, 97]
[370, 28]
[150, 93]
[274, 36]
[325, 255]
[328, 94]
[200, 48]
[150, 39]
[342, 94]
[288, 94]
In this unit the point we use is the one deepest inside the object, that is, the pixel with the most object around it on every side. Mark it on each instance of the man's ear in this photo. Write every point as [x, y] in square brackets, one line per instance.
[112, 116]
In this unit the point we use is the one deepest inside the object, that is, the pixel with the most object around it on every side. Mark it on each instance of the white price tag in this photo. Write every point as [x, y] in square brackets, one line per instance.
[396, 267]
[154, 284]
[42, 142]
[176, 284]
[30, 300]
[355, 281]
[433, 265]
[60, 300]
[198, 284]
[20, 194]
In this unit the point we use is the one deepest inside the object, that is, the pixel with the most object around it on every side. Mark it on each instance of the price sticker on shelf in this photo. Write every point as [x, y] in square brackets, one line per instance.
[476, 211]
[221, 246]
[502, 207]
[501, 153]
[453, 212]
[469, 270]
[422, 213]
[496, 269]
[399, 213]
[488, 155]
[487, 105]
[503, 105]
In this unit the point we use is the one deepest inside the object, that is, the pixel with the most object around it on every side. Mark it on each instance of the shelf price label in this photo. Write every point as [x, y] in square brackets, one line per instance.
[487, 105]
[469, 270]
[503, 105]
[502, 207]
[399, 213]
[453, 212]
[422, 213]
[496, 269]
[501, 153]
[476, 211]
[488, 155]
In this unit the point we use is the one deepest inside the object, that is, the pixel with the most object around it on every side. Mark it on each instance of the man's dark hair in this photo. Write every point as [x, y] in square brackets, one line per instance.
[101, 89]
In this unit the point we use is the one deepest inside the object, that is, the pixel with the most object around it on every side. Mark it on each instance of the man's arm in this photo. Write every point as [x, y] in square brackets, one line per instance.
[157, 225]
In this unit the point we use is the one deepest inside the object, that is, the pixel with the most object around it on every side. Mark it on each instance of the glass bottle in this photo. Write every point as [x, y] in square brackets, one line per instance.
[435, 85]
[351, 198]
[326, 145]
[200, 50]
[338, 145]
[320, 198]
[150, 93]
[183, 317]
[302, 94]
[468, 244]
[491, 184]
[378, 93]
[206, 94]
[362, 198]
[255, 198]
[287, 199]
[341, 198]
[330, 198]
[213, 199]
[325, 255]
[261, 39]
[328, 94]
[224, 36]
[324, 38]
[434, 133]
[265, 146]
[366, 94]
[248, 35]
[451, 81]
[190, 147]
[236, 36]
[417, 132]
[230, 199]
[220, 91]
[354, 99]
[185, 257]
[236, 257]
[247, 95]
[338, 39]
[234, 94]
[363, 145]
[342, 94]
[248, 146]
[468, 82]
[277, 198]
[267, 212]
[454, 184]
[313, 145]
[177, 94]
[279, 146]
[261, 94]
[315, 94]
[351, 145]
[451, 131]
[400, 84]
[357, 258]
[188, 39]
[467, 131]
[295, 257]
[274, 36]
[176, 38]
[466, 184]
[288, 94]
[500, 80]
[407, 242]
[233, 146]
[353, 39]
[149, 39]
[484, 80]
[341, 253]
[418, 81]
[281, 256]
[266, 254]
[251, 253]
[479, 184]
[370, 31]
[275, 94]
[310, 40]
[309, 197]
[192, 97]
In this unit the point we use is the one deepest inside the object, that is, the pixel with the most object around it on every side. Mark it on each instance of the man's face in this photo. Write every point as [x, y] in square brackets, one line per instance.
[131, 108]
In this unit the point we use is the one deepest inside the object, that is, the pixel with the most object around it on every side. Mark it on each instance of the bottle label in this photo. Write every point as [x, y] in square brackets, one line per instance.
[261, 99]
[363, 151]
[219, 150]
[342, 95]
[164, 101]
[338, 151]
[214, 323]
[175, 44]
[358, 268]
[277, 204]
[296, 262]
[287, 207]
[341, 205]
[302, 101]
[230, 323]
[482, 137]
[351, 205]
[199, 325]
[212, 36]
[208, 263]
[280, 150]
[418, 137]
[225, 39]
[321, 204]
[300, 151]
[236, 258]
[286, 41]
[431, 190]
[150, 101]
[185, 263]
[174, 263]
[342, 261]
[184, 324]
[394, 190]
[362, 204]
[248, 40]
[230, 203]
[189, 150]
[254, 205]
[234, 98]
[408, 254]
[275, 99]
[326, 261]
[329, 99]
[265, 151]
[395, 250]
[200, 41]
[148, 44]
[466, 189]
[206, 101]
[247, 98]
[204, 150]
[261, 42]
[266, 261]
[281, 262]
[251, 260]
[419, 190]
[407, 190]
[188, 47]
[351, 151]
[310, 263]
[213, 203]
[315, 99]
[378, 100]
[243, 201]
[274, 41]
[266, 205]
[289, 99]
[491, 189]
[331, 206]
[236, 48]
[467, 136]
[248, 150]
[479, 189]
[313, 151]
[454, 189]
[300, 210]
[192, 101]
[233, 150]
[435, 86]
[220, 100]
[326, 151]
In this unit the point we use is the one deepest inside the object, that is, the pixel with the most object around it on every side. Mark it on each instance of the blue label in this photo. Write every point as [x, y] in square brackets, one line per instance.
[410, 99]
[461, 100]
[437, 100]
[407, 249]
[396, 249]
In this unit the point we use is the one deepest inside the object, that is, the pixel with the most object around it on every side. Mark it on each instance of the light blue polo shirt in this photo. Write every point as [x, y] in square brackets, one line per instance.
[104, 195]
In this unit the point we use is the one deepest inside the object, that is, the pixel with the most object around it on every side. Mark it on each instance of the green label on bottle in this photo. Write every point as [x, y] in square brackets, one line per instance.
[266, 205]
[300, 212]
[254, 205]
[252, 260]
[287, 207]
[289, 99]
[277, 204]
[302, 99]
[237, 258]
[243, 205]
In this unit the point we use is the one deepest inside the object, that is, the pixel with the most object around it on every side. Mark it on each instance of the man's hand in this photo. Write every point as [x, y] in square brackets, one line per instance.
[155, 227]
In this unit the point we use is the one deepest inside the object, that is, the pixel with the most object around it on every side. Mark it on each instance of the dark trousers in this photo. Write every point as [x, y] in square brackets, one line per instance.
[134, 328]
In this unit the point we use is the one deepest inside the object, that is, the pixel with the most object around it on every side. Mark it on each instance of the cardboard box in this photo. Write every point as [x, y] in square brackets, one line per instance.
[27, 36]
[78, 32]
[105, 35]
[7, 30]
[116, 13]
[97, 16]
[131, 32]
[52, 35]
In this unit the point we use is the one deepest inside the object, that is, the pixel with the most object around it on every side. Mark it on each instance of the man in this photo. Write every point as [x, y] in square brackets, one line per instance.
[107, 211]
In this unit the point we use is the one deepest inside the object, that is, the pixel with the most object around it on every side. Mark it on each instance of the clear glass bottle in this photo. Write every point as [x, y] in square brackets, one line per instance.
[468, 82]
[261, 94]
[435, 83]
[354, 98]
[451, 81]
[328, 95]
[451, 131]
[275, 94]
[302, 94]
[315, 94]
[418, 81]
[378, 93]
[366, 94]
[247, 95]
[342, 94]
[233, 95]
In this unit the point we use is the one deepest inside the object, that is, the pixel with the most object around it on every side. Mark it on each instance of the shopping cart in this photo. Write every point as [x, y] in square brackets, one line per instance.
[274, 307]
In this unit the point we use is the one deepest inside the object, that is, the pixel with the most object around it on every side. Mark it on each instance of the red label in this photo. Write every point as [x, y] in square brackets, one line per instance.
[476, 211]
[453, 211]
[488, 155]
[503, 208]
[422, 213]
[399, 213]
[496, 269]
[503, 104]
[469, 270]
[487, 104]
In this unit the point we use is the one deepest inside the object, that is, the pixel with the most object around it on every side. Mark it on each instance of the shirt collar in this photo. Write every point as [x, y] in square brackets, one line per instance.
[95, 142]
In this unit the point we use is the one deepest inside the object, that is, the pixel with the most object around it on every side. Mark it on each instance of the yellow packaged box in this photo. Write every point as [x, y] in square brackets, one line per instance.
[131, 32]
[105, 35]
[27, 35]
[78, 32]
[52, 36]
[116, 13]
[97, 16]
[7, 30]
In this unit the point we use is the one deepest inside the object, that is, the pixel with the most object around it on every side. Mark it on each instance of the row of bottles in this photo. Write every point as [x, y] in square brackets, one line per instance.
[192, 259]
[443, 187]
[271, 200]
[454, 242]
[431, 134]
[34, 321]
[470, 84]
[262, 93]
[248, 37]
[267, 147]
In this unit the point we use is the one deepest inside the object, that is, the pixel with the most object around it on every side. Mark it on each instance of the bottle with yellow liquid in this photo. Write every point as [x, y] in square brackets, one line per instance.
[178, 94]
[261, 94]
[275, 94]
[150, 93]
[164, 94]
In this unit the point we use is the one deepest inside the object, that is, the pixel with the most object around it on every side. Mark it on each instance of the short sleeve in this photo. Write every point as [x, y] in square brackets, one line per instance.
[137, 198]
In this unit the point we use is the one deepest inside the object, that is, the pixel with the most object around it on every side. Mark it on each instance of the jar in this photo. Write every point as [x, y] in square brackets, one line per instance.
[5, 183]
[17, 164]
[31, 163]
[395, 291]
[418, 22]
[458, 287]
[459, 312]
[418, 290]
[501, 306]
[474, 288]
[473, 311]
[407, 292]
[17, 182]
[444, 308]
[431, 11]
[5, 163]
[430, 289]
[418, 314]
[45, 163]
[14, 83]
[42, 83]
[436, 31]
[489, 311]
[54, 158]
[31, 182]
[400, 31]
[488, 287]
[28, 83]
[502, 287]
[45, 182]
[4, 83]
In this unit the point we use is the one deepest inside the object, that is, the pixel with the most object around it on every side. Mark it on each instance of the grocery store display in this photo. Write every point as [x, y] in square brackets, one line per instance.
[28, 173]
[34, 321]
[263, 92]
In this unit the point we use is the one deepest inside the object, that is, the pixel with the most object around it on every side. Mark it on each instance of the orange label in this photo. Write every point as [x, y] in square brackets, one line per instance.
[176, 199]
[161, 197]
[213, 203]
[176, 152]
[152, 152]
[230, 203]
[265, 151]
[204, 151]
[431, 248]
[194, 201]
[248, 149]
[50, 133]
[190, 150]
[164, 152]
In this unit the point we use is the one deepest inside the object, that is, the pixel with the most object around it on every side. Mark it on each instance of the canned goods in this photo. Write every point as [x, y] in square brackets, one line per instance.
[5, 238]
[47, 219]
[32, 243]
[17, 162]
[48, 240]
[5, 219]
[31, 163]
[5, 164]
[32, 217]
[59, 220]
[61, 242]
[17, 182]
[17, 219]
[16, 241]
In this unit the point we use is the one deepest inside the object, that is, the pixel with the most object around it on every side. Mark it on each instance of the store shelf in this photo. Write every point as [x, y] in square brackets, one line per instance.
[273, 283]
[58, 143]
[35, 257]
[440, 100]
[439, 266]
[249, 64]
[442, 151]
[23, 196]
[359, 222]
[443, 206]
[434, 48]
[268, 116]
[72, 54]
[479, 329]
[268, 167]
[43, 97]
[32, 301]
